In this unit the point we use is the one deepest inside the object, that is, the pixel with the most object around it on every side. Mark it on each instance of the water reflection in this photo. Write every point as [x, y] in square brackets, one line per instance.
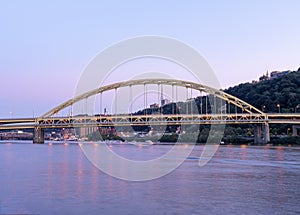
[58, 179]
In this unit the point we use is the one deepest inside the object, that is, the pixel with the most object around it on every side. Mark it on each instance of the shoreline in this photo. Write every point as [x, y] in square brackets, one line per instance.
[145, 143]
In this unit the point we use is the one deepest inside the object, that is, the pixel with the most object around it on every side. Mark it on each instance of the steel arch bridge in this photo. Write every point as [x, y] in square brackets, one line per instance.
[236, 111]
[247, 114]
[229, 99]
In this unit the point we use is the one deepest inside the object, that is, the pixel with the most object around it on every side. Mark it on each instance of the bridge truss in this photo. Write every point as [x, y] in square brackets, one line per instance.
[209, 91]
[142, 120]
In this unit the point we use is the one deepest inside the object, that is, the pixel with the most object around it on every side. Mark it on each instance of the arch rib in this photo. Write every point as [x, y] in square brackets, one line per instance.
[172, 82]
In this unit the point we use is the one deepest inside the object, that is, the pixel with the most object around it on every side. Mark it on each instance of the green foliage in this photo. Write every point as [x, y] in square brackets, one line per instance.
[169, 138]
[284, 90]
[97, 136]
[265, 95]
[285, 140]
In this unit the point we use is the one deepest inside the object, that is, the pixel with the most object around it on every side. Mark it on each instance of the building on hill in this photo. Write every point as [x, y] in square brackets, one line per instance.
[273, 75]
[165, 101]
[265, 77]
[276, 74]
[155, 105]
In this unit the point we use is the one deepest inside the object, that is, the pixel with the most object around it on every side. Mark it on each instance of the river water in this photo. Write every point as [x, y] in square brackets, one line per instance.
[59, 179]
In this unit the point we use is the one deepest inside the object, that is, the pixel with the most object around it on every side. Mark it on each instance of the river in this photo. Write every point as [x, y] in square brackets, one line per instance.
[59, 179]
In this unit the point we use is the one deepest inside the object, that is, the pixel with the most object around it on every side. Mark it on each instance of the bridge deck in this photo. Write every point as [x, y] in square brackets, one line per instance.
[140, 120]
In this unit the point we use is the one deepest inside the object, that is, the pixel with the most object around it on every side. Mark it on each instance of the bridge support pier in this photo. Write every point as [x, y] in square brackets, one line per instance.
[257, 134]
[38, 135]
[261, 133]
[266, 133]
[295, 130]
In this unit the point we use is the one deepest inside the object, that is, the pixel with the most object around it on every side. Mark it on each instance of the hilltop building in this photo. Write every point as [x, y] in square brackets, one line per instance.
[164, 101]
[265, 77]
[276, 74]
[155, 105]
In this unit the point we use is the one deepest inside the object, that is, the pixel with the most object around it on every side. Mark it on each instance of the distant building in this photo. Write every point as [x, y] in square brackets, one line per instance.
[276, 74]
[155, 105]
[265, 77]
[85, 131]
[164, 101]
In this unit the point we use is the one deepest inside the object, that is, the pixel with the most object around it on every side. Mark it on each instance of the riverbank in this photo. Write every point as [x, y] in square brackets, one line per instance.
[275, 141]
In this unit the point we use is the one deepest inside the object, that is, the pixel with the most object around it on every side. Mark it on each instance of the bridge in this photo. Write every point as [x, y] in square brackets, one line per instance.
[188, 103]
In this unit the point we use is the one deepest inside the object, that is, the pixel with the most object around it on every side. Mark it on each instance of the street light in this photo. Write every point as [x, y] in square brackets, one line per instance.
[296, 108]
[263, 108]
[278, 105]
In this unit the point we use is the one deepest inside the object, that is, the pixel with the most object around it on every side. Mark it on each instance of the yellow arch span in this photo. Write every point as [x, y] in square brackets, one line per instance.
[173, 82]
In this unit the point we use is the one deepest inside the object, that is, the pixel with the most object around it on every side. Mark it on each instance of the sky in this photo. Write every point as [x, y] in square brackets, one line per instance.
[46, 45]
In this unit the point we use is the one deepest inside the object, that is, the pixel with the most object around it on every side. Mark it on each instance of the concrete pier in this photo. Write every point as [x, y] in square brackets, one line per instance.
[257, 133]
[38, 135]
[295, 130]
[266, 133]
[261, 133]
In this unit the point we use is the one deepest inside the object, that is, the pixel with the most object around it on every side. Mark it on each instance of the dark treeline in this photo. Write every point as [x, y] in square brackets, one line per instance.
[281, 94]
[278, 94]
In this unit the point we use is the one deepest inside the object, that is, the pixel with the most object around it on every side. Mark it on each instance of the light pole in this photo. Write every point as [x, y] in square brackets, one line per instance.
[11, 114]
[263, 108]
[296, 108]
[278, 105]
